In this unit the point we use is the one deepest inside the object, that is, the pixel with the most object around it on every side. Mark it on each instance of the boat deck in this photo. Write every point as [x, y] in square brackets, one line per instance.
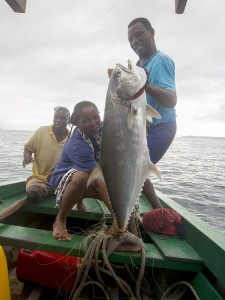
[29, 228]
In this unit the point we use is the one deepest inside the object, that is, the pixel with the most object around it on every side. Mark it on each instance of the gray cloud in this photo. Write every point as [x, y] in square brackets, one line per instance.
[57, 53]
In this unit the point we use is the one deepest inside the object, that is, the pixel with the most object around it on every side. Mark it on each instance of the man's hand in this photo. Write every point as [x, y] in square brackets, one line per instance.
[27, 157]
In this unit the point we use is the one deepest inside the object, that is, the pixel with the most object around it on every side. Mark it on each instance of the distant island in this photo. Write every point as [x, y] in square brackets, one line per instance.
[201, 137]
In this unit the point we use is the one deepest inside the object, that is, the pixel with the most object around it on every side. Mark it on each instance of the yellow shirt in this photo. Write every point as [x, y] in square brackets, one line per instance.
[47, 151]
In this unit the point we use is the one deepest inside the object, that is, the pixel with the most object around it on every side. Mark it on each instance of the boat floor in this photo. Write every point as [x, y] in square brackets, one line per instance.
[31, 227]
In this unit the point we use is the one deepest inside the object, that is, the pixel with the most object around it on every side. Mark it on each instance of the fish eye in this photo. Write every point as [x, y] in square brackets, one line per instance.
[117, 72]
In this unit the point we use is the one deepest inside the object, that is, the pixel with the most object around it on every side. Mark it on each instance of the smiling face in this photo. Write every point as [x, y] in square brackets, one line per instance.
[89, 121]
[142, 41]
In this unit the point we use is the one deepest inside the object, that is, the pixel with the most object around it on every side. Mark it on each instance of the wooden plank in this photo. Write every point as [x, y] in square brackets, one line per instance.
[204, 288]
[17, 5]
[95, 209]
[170, 248]
[36, 239]
[175, 249]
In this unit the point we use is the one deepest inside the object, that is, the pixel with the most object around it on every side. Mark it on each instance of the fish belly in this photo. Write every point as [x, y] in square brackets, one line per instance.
[124, 155]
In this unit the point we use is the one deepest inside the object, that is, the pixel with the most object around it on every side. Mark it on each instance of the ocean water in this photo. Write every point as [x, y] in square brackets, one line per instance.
[192, 170]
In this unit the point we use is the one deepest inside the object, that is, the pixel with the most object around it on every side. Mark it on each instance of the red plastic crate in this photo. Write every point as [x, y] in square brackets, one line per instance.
[53, 270]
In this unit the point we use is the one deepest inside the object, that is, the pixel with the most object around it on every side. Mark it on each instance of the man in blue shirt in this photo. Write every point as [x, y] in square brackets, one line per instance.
[160, 91]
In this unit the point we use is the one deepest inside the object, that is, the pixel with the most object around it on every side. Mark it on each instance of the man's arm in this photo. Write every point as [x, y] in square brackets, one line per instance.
[165, 97]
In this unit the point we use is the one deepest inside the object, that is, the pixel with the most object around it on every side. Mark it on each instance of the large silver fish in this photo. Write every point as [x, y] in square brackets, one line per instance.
[124, 161]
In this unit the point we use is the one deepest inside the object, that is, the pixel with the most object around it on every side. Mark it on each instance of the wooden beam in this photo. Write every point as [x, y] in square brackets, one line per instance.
[17, 5]
[37, 239]
[180, 6]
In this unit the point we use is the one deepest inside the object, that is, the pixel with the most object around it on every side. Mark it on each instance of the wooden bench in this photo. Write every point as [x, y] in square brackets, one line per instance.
[37, 239]
[170, 248]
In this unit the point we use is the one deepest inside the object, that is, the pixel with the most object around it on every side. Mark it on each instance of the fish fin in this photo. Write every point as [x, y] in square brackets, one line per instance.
[154, 169]
[130, 64]
[115, 243]
[151, 112]
[131, 114]
[96, 174]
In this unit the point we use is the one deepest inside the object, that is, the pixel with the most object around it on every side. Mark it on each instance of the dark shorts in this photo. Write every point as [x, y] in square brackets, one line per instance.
[159, 138]
[34, 181]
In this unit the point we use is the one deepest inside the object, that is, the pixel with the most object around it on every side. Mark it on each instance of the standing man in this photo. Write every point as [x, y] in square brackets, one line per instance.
[46, 144]
[160, 90]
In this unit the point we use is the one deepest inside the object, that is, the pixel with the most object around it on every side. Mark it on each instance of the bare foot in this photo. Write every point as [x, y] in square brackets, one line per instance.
[81, 206]
[60, 232]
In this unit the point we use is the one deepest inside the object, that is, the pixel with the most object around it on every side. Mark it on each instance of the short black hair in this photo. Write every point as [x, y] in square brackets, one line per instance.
[77, 111]
[142, 20]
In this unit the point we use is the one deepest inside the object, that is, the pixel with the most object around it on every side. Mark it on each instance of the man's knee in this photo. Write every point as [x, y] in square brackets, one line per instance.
[80, 178]
[35, 193]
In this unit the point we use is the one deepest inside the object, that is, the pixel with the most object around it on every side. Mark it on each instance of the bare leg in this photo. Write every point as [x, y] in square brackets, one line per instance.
[73, 195]
[132, 225]
[149, 192]
[99, 191]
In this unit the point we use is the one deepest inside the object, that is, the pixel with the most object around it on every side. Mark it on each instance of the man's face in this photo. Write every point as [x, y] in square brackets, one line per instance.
[141, 40]
[61, 119]
[89, 121]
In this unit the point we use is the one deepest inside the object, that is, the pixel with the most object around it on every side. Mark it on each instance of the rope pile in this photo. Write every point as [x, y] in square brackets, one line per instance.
[93, 245]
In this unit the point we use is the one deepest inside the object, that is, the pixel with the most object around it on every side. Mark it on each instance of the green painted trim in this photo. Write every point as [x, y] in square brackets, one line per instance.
[204, 288]
[207, 241]
[95, 209]
[11, 190]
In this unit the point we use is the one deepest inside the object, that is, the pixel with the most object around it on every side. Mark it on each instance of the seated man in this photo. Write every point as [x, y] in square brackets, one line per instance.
[78, 159]
[46, 144]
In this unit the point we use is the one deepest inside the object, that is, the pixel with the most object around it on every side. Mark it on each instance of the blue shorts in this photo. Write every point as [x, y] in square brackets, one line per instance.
[159, 138]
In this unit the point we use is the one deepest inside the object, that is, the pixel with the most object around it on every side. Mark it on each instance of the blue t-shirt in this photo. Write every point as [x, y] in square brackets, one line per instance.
[77, 154]
[161, 71]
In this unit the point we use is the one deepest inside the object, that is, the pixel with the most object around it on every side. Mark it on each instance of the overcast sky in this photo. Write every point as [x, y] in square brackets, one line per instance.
[58, 53]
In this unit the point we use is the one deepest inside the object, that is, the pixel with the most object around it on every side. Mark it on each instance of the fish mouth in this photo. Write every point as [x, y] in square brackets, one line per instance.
[130, 69]
[140, 81]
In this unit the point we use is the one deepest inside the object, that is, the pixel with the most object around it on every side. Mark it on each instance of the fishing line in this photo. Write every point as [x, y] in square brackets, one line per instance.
[113, 6]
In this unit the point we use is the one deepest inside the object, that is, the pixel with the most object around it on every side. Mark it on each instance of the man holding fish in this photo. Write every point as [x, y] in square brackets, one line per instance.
[124, 133]
[160, 91]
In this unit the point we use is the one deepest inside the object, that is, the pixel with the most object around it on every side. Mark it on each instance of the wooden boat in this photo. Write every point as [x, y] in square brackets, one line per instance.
[198, 260]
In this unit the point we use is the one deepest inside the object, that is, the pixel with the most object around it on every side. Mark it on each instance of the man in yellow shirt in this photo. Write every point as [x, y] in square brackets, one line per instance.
[43, 150]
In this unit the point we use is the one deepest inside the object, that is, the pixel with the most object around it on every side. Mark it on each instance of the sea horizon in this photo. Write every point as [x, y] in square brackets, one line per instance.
[177, 136]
